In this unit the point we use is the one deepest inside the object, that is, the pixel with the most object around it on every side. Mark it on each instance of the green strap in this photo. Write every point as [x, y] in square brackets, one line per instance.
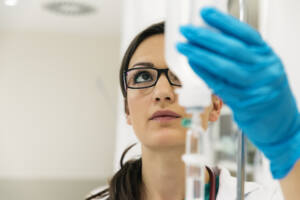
[207, 188]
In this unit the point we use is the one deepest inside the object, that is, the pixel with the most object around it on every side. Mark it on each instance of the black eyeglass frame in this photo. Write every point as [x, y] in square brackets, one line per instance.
[159, 72]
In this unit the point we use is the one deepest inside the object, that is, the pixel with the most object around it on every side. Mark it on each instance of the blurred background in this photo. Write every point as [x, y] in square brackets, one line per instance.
[62, 127]
[59, 65]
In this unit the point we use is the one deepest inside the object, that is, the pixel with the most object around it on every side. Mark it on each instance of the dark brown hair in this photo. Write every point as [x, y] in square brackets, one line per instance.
[127, 183]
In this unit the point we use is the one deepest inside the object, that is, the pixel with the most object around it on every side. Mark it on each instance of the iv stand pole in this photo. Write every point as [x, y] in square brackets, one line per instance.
[241, 157]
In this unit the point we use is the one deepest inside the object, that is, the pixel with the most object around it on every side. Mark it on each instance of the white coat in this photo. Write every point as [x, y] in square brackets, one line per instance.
[227, 189]
[253, 191]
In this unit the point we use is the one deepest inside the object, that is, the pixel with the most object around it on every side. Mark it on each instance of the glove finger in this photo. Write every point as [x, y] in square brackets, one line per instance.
[224, 68]
[235, 98]
[219, 43]
[231, 26]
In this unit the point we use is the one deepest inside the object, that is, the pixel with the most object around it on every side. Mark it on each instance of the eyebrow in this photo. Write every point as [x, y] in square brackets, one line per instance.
[143, 64]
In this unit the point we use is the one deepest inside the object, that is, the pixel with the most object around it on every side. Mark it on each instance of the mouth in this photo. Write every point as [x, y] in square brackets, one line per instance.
[165, 116]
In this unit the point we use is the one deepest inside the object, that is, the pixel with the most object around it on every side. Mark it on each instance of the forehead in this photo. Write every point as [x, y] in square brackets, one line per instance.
[150, 50]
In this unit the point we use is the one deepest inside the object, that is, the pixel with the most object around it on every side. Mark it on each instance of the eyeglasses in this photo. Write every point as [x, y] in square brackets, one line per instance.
[145, 77]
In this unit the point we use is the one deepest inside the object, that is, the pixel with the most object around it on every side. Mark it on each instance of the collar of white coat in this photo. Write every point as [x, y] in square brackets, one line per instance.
[227, 186]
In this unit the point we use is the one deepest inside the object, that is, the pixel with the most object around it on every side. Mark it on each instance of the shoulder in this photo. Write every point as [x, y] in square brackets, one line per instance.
[96, 194]
[253, 191]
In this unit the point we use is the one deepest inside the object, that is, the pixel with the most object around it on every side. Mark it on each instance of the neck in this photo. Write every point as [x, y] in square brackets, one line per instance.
[163, 174]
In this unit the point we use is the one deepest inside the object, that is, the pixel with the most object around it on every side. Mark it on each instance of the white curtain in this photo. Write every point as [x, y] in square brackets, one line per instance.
[280, 26]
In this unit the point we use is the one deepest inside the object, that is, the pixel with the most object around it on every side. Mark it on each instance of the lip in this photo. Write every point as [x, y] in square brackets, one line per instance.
[164, 115]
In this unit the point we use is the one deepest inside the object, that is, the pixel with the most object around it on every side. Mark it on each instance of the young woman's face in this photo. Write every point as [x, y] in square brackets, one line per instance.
[159, 132]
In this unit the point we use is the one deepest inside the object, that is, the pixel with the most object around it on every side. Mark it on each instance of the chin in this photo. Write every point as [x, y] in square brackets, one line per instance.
[167, 138]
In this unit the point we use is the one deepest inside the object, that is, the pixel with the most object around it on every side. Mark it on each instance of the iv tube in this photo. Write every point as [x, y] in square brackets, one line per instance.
[194, 158]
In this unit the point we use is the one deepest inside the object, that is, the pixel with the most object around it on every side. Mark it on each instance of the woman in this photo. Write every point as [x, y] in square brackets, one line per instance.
[152, 109]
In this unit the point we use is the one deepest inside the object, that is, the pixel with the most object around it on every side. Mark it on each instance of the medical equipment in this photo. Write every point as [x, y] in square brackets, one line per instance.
[241, 162]
[242, 139]
[194, 158]
[194, 95]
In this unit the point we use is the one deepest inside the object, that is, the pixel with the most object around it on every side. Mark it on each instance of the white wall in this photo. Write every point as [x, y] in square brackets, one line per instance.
[57, 105]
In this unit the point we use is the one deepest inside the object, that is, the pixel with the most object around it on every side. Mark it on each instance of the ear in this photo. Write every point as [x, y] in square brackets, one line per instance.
[215, 112]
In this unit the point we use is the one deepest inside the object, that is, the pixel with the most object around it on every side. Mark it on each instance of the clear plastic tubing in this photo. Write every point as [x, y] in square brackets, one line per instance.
[194, 159]
[194, 94]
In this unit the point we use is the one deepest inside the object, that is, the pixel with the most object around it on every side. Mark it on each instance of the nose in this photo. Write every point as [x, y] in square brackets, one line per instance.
[163, 91]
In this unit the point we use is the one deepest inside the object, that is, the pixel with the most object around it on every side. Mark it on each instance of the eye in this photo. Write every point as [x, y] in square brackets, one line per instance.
[174, 78]
[143, 76]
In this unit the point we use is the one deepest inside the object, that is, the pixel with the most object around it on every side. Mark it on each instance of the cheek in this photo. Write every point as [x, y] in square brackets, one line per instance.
[136, 104]
[138, 112]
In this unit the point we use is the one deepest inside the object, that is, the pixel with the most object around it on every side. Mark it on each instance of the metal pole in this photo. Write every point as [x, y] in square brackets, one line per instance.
[241, 159]
[242, 10]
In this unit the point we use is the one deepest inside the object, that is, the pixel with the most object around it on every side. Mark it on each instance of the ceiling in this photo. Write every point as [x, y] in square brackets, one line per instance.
[31, 15]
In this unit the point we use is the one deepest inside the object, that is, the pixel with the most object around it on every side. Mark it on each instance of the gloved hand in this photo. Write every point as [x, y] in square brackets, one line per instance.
[240, 67]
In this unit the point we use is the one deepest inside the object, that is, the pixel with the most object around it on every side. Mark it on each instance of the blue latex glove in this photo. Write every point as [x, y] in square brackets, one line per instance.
[249, 77]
